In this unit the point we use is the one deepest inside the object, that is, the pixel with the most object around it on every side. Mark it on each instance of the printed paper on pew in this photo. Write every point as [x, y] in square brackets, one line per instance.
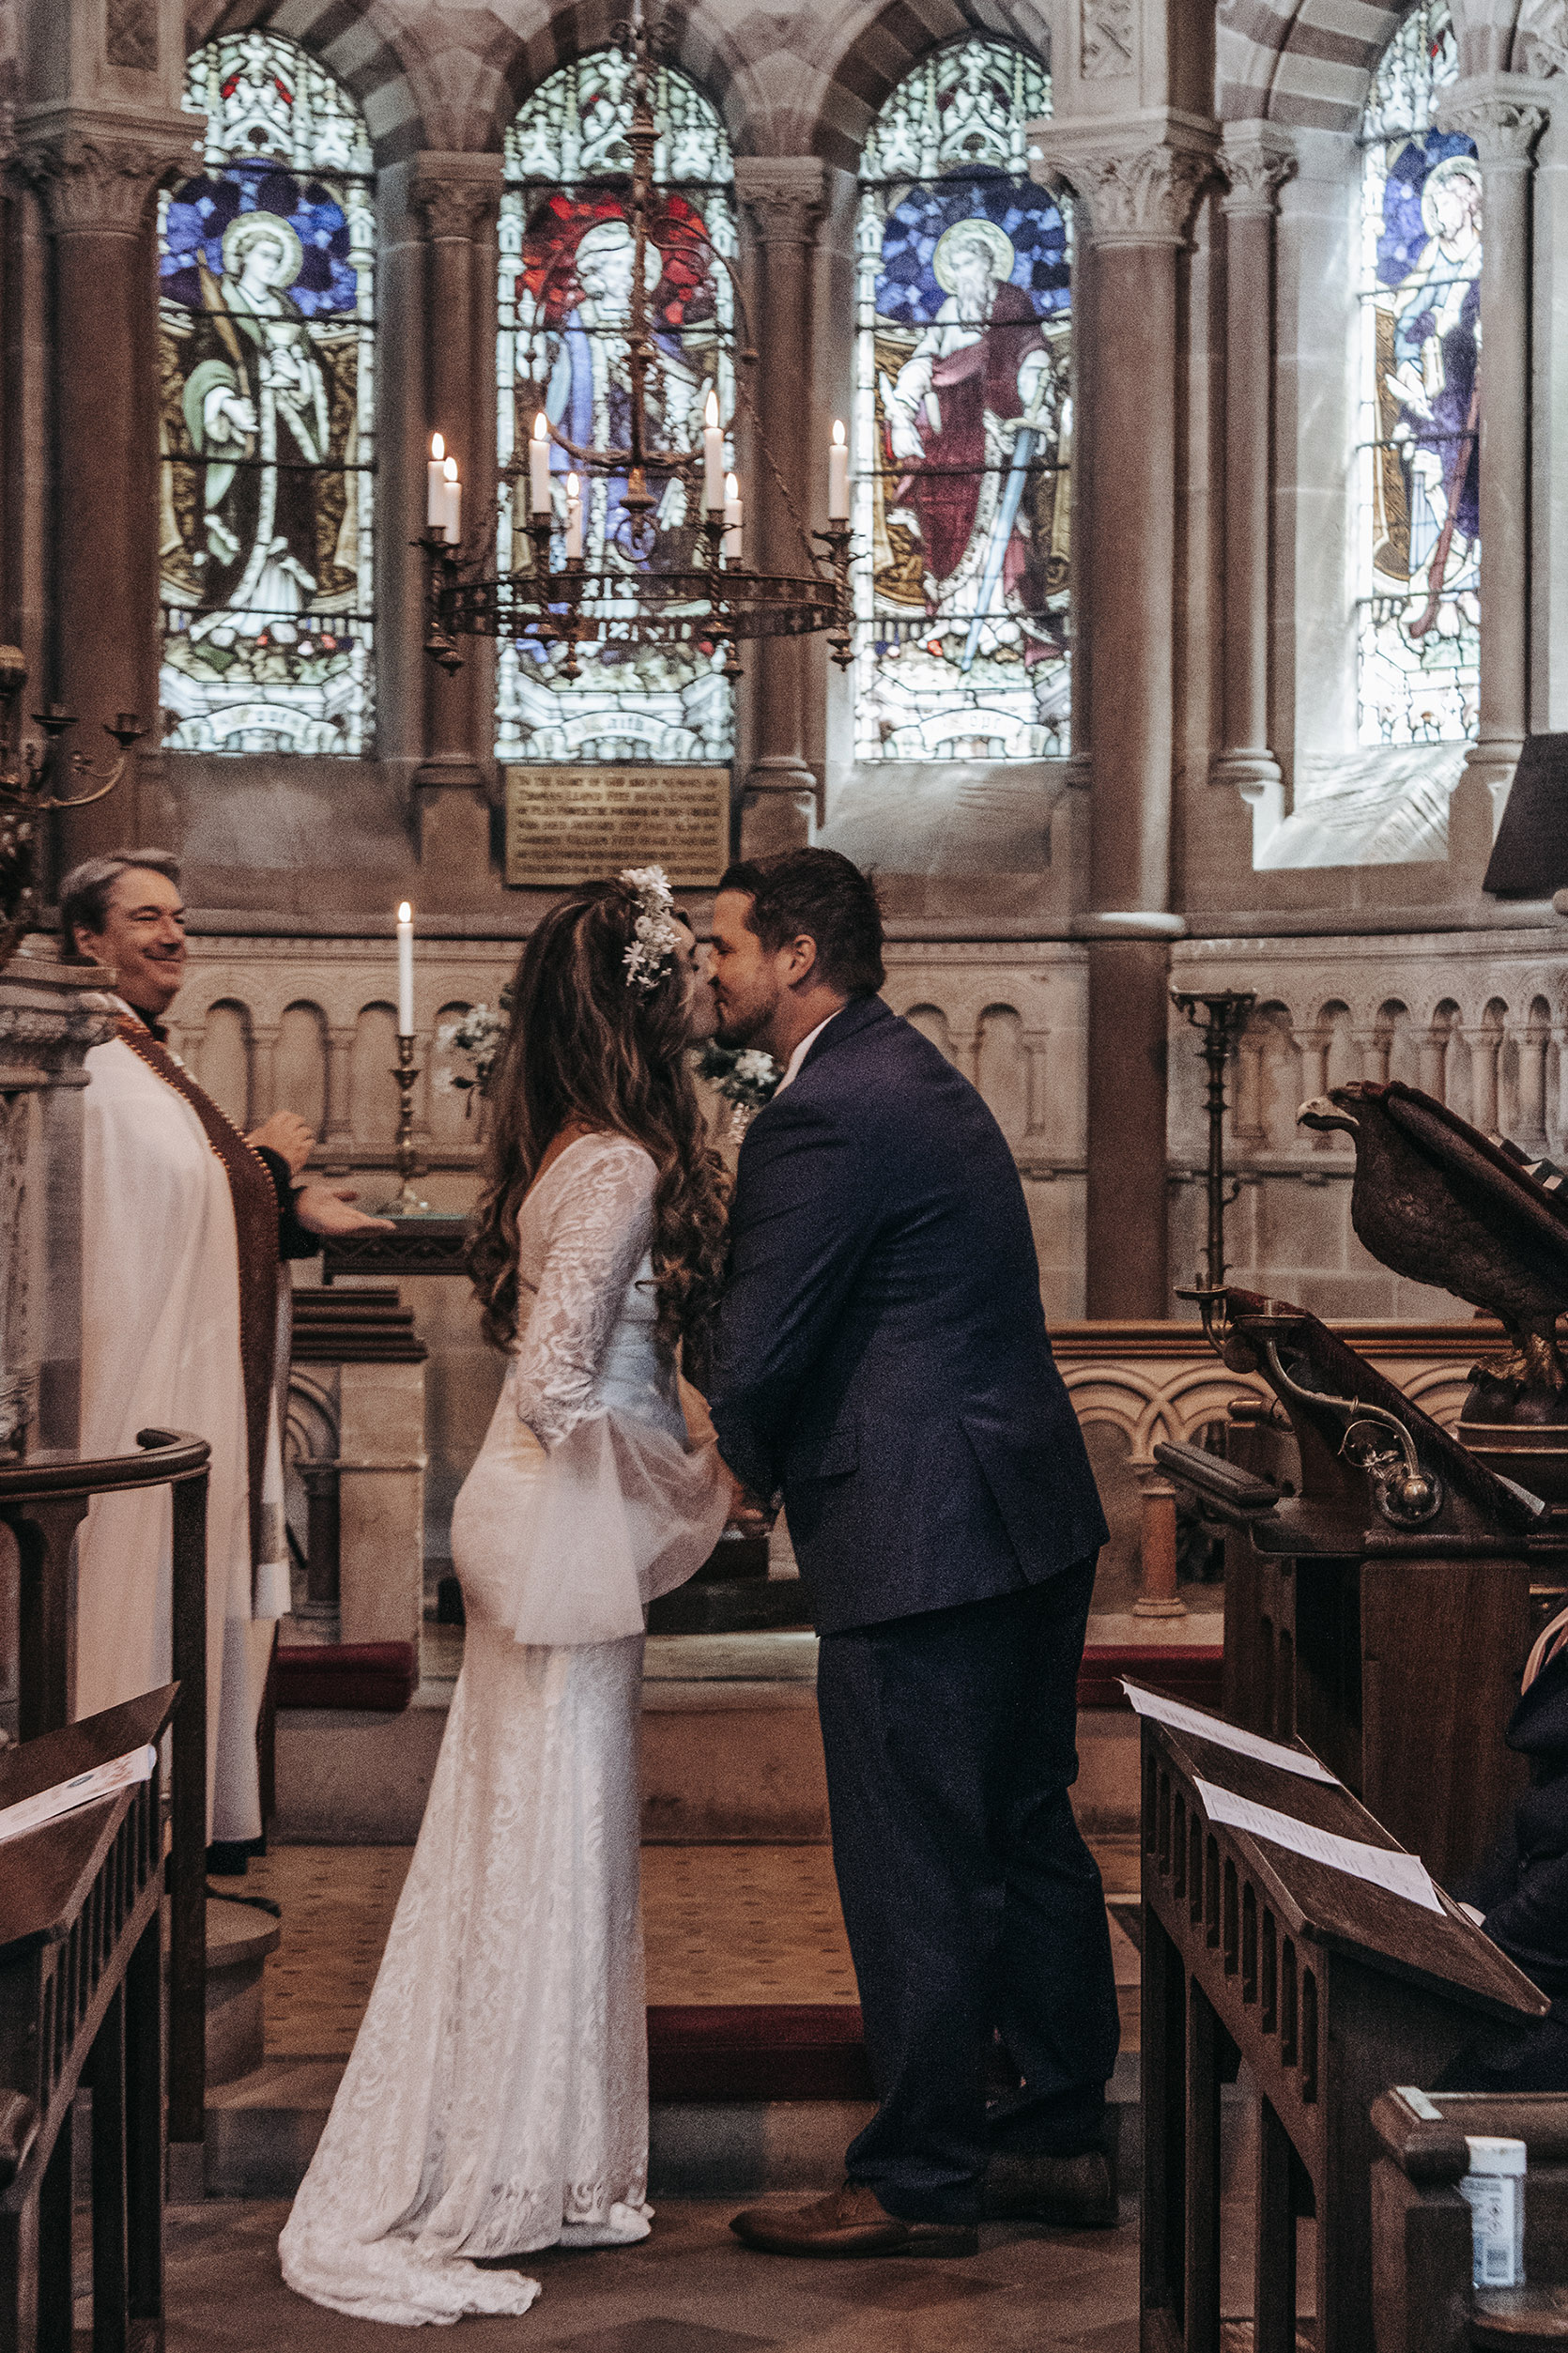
[1182, 1719]
[1398, 1874]
[104, 1781]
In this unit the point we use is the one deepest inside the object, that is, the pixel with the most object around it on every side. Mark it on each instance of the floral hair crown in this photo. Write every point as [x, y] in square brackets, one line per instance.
[655, 938]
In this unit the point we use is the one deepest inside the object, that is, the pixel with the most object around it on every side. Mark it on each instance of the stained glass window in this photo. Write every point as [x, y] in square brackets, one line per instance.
[1419, 614]
[962, 421]
[566, 262]
[266, 335]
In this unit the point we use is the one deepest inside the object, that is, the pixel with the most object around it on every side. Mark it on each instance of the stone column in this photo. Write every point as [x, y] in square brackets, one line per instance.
[1501, 113]
[1484, 1045]
[1313, 1046]
[1532, 1040]
[338, 1141]
[1136, 194]
[98, 175]
[456, 196]
[783, 197]
[1257, 163]
[1434, 1064]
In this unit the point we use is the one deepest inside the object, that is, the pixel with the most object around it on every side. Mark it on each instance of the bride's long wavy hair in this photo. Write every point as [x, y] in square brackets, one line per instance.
[584, 1048]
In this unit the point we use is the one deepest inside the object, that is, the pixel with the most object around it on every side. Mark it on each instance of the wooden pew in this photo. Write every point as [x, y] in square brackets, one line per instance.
[1421, 2226]
[81, 2000]
[1329, 1989]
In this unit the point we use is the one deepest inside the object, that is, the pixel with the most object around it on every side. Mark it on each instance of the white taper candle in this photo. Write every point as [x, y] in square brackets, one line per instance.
[539, 466]
[837, 477]
[452, 492]
[573, 517]
[434, 486]
[712, 455]
[732, 520]
[406, 970]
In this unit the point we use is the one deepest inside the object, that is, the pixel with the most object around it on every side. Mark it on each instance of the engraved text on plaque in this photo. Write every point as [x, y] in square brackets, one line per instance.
[566, 823]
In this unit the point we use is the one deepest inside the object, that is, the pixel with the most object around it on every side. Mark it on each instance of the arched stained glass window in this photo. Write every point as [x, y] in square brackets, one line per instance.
[566, 260]
[267, 334]
[1418, 615]
[962, 421]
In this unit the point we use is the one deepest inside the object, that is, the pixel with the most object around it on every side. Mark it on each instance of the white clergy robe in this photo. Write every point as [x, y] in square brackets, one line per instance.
[160, 1348]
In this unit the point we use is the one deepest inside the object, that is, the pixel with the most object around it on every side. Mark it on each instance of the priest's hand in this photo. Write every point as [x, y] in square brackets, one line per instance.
[325, 1209]
[286, 1134]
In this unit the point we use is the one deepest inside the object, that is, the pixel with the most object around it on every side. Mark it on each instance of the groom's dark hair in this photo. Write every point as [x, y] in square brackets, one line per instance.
[822, 895]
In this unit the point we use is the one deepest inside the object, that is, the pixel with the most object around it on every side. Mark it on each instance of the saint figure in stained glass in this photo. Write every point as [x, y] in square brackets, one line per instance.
[267, 332]
[1421, 544]
[567, 263]
[964, 422]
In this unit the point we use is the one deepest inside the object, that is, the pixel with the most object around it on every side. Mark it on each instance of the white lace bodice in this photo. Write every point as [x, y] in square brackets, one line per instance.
[586, 1308]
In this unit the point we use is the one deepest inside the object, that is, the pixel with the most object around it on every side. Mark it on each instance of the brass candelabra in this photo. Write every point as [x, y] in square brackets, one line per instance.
[27, 775]
[1219, 1016]
[405, 1201]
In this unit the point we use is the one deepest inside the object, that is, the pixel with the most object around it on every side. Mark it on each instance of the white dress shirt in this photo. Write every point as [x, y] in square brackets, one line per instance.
[792, 1069]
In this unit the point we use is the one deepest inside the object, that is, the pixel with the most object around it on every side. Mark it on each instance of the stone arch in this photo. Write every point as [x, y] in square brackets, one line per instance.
[404, 104]
[1306, 63]
[869, 49]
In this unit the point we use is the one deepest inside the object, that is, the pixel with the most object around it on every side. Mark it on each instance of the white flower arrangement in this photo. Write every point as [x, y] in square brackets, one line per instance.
[656, 937]
[744, 1076]
[478, 1037]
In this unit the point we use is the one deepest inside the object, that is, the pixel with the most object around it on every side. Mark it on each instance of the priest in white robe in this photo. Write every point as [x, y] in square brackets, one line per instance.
[185, 1225]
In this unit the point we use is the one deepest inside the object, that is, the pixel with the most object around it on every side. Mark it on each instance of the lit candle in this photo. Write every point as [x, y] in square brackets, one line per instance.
[406, 970]
[574, 518]
[435, 478]
[539, 466]
[452, 496]
[732, 519]
[713, 456]
[837, 477]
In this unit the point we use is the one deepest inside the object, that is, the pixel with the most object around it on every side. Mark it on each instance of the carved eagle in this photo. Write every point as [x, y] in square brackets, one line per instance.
[1437, 1200]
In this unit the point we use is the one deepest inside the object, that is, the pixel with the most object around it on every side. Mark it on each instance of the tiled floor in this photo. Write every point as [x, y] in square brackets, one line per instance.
[691, 2288]
[724, 1924]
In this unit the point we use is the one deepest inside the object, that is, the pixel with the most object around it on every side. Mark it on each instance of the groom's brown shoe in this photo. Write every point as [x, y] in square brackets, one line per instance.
[1079, 2193]
[850, 2222]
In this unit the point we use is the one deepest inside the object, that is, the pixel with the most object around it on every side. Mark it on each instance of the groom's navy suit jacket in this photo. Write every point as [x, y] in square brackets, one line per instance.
[881, 1353]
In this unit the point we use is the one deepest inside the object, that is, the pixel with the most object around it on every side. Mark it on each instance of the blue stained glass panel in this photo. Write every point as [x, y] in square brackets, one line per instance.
[962, 421]
[266, 342]
[1419, 524]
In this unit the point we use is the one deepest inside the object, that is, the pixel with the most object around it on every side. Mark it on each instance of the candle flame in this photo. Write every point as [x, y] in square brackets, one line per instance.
[541, 429]
[437, 447]
[731, 488]
[837, 433]
[571, 486]
[710, 412]
[405, 913]
[449, 469]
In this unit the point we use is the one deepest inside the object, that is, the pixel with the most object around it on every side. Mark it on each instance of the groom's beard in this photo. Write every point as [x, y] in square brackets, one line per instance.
[736, 1030]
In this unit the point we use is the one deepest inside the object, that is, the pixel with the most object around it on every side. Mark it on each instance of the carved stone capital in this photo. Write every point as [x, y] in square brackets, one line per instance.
[1504, 122]
[1256, 165]
[784, 196]
[1131, 193]
[100, 178]
[454, 210]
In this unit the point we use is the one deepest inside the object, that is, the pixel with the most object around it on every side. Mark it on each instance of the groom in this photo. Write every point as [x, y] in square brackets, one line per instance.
[882, 1357]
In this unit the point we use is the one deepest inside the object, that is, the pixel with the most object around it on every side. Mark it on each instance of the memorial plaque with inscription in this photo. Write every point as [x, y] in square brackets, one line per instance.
[565, 823]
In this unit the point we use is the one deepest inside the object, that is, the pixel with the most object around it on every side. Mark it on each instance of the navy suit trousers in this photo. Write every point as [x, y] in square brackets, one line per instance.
[971, 1900]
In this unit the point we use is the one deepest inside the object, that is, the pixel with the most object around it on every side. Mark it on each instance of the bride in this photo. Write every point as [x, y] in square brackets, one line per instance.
[497, 2099]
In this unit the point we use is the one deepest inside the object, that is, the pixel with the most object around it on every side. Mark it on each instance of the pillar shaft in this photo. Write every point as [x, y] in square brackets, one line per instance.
[1135, 199]
[1504, 123]
[1255, 165]
[457, 195]
[783, 199]
[99, 177]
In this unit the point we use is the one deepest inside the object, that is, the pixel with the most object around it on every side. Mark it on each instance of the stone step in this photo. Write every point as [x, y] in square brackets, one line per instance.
[262, 2131]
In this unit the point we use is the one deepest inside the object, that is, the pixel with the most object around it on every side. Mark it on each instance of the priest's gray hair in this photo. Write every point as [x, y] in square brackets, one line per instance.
[84, 892]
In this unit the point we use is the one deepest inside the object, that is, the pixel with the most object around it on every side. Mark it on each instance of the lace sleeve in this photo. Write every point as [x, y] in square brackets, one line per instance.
[598, 1229]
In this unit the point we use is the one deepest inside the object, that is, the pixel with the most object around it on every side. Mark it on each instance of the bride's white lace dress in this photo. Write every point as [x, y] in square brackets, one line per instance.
[497, 2099]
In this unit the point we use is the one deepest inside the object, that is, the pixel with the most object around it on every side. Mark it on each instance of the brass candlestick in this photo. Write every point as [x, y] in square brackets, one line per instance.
[406, 1202]
[1219, 1016]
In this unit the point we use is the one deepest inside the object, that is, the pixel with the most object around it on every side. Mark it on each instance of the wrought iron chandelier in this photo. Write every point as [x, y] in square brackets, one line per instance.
[717, 601]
